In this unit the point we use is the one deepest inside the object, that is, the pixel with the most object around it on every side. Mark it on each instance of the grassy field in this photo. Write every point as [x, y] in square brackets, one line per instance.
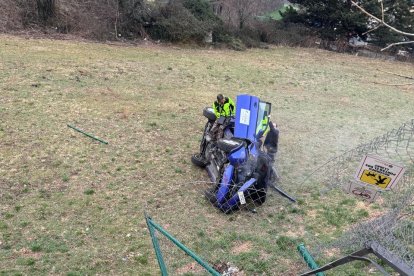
[73, 206]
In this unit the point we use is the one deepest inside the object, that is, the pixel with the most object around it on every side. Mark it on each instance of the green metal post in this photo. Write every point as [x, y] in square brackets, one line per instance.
[308, 259]
[157, 249]
[185, 249]
[87, 134]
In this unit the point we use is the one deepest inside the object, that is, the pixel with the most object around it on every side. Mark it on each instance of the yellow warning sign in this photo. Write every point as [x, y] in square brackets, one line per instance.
[375, 178]
[379, 173]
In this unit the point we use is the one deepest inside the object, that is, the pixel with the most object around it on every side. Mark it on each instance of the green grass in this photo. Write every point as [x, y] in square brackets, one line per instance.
[73, 206]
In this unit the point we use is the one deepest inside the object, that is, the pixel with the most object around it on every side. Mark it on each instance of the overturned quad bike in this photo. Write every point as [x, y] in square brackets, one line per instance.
[211, 156]
[241, 171]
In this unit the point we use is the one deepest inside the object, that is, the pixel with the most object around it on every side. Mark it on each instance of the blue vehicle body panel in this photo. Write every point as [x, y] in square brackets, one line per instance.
[225, 184]
[238, 156]
[247, 107]
[235, 198]
[253, 149]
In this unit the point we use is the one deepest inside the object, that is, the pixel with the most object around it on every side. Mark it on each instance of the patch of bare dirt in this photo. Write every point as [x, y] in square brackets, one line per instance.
[312, 213]
[332, 252]
[241, 248]
[373, 213]
[189, 268]
[29, 253]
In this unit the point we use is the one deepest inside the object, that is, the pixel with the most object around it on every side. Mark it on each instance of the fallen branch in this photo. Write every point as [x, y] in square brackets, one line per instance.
[394, 84]
[397, 43]
[391, 73]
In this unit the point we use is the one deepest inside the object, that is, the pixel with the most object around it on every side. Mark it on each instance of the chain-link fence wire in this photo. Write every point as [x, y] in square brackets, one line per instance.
[246, 240]
[257, 237]
[393, 225]
[172, 259]
[396, 145]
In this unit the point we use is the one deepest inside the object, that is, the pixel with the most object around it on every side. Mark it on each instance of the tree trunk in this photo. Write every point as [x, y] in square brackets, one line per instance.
[46, 9]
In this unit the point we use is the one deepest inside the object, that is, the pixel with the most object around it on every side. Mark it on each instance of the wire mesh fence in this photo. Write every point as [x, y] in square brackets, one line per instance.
[244, 241]
[260, 232]
[396, 145]
[173, 257]
[392, 227]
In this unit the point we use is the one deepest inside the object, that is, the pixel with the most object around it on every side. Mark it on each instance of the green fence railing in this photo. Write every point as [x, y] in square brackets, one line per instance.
[153, 227]
[87, 134]
[307, 257]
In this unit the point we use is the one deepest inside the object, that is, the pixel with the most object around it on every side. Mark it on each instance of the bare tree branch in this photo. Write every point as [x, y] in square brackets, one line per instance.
[381, 21]
[397, 43]
[373, 29]
[240, 13]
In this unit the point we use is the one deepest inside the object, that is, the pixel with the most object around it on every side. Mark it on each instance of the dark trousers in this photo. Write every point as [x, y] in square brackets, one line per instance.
[217, 131]
[271, 142]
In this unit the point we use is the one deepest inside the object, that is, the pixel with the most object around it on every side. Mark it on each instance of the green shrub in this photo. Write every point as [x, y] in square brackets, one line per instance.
[284, 33]
[183, 21]
[135, 15]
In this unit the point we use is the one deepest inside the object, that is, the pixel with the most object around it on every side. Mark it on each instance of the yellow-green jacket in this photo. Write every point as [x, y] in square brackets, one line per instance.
[227, 109]
[263, 126]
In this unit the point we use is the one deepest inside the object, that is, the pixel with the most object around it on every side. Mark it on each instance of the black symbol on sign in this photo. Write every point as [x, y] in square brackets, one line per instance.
[370, 174]
[380, 180]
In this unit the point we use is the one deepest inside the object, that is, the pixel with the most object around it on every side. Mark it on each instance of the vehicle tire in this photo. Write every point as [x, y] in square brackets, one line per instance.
[208, 112]
[207, 128]
[228, 145]
[197, 160]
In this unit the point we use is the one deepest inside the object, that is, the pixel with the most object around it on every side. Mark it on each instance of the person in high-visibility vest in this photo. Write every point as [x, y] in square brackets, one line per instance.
[224, 108]
[263, 126]
[272, 140]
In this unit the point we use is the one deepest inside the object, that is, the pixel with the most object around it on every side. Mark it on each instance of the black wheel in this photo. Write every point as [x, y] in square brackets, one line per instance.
[207, 128]
[197, 160]
[208, 112]
[228, 145]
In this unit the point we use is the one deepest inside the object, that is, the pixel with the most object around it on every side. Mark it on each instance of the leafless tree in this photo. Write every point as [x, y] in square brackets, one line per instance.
[90, 18]
[239, 13]
[381, 22]
[46, 8]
